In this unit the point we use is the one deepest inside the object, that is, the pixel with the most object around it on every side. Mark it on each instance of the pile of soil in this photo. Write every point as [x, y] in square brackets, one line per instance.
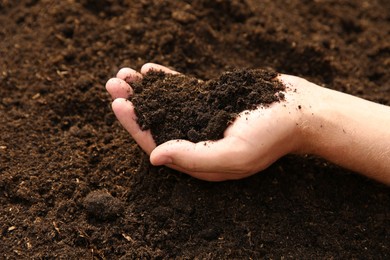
[73, 184]
[180, 107]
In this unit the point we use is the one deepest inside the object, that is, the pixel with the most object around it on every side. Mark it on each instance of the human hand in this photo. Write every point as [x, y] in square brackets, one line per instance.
[256, 139]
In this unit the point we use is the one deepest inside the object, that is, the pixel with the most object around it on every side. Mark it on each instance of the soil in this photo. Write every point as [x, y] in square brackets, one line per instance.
[73, 184]
[181, 107]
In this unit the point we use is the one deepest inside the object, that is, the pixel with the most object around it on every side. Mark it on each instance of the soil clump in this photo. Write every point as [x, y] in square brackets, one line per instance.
[102, 205]
[180, 107]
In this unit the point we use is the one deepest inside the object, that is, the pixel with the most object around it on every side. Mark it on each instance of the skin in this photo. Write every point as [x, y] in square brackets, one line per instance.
[346, 130]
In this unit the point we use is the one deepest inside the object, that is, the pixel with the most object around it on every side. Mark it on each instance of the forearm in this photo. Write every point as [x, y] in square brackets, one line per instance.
[351, 132]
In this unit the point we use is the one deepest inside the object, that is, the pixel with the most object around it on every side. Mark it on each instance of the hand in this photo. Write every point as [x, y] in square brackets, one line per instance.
[255, 140]
[346, 130]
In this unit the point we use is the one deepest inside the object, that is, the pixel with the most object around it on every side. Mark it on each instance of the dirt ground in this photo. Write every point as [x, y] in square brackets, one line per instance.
[74, 185]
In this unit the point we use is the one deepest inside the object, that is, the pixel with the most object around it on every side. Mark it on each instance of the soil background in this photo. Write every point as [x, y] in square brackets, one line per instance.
[74, 185]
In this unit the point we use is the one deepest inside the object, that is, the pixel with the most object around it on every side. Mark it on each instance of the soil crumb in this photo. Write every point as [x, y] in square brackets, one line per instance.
[181, 107]
[102, 205]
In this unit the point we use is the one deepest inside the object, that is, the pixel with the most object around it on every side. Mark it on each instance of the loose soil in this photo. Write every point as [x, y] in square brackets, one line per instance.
[180, 107]
[73, 184]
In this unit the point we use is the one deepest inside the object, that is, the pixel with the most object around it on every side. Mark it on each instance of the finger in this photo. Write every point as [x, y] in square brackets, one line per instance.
[153, 66]
[129, 75]
[118, 88]
[220, 156]
[124, 111]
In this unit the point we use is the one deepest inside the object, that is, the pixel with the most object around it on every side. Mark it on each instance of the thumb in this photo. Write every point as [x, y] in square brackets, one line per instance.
[208, 156]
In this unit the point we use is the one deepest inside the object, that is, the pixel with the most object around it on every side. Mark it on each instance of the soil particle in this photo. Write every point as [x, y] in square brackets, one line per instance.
[180, 107]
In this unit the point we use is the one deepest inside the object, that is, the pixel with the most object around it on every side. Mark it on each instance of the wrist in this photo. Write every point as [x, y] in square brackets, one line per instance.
[305, 107]
[346, 130]
[322, 121]
[318, 114]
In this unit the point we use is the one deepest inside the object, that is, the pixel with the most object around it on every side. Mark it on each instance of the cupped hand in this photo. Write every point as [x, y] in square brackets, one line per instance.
[255, 140]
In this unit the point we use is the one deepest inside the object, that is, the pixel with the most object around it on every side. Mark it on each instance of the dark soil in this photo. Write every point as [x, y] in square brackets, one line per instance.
[180, 107]
[60, 141]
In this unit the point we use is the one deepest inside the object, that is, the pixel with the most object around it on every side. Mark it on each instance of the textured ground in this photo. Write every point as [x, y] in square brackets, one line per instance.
[74, 185]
